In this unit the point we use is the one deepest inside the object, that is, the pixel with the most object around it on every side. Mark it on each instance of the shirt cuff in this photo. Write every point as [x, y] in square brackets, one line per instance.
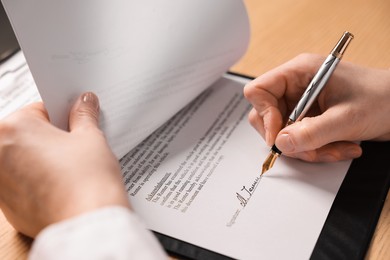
[107, 233]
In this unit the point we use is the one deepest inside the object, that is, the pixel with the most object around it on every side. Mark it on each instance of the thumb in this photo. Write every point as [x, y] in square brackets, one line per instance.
[85, 112]
[315, 132]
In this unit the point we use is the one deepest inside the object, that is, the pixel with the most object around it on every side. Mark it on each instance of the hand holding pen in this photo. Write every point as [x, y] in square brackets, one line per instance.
[344, 112]
[311, 93]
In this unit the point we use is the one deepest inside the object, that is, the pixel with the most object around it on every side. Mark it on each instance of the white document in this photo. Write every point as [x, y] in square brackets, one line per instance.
[17, 87]
[197, 179]
[144, 59]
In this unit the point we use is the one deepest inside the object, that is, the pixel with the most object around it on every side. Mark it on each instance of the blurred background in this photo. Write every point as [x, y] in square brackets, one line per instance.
[282, 29]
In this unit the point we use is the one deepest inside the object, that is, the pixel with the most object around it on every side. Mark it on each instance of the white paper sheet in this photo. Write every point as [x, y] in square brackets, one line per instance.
[197, 179]
[17, 87]
[144, 59]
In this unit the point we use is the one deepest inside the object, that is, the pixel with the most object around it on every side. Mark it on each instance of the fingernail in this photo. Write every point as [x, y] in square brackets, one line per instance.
[267, 138]
[285, 143]
[267, 132]
[353, 153]
[91, 99]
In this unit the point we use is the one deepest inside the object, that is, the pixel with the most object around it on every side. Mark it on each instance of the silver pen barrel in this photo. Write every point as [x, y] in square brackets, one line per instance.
[320, 79]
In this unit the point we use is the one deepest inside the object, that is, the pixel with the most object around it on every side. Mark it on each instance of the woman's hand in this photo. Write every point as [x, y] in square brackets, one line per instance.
[353, 106]
[48, 175]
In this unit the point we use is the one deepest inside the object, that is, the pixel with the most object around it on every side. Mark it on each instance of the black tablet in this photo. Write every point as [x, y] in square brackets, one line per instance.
[8, 43]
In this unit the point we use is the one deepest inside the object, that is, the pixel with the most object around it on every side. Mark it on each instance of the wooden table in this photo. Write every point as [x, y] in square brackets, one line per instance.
[281, 29]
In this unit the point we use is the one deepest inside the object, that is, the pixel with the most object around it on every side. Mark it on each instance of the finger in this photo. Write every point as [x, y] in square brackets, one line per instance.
[312, 133]
[286, 81]
[36, 109]
[257, 122]
[268, 124]
[276, 92]
[333, 152]
[85, 112]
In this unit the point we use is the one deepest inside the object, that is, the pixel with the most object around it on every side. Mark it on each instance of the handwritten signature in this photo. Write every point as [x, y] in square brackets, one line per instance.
[246, 193]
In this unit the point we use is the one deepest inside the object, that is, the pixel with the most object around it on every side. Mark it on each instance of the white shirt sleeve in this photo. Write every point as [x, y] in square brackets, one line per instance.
[107, 233]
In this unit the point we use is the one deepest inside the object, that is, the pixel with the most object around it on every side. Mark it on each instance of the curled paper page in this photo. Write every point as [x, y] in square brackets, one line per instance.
[144, 59]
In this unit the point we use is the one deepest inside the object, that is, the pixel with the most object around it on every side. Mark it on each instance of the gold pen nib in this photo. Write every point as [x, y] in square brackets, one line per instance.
[270, 160]
[265, 168]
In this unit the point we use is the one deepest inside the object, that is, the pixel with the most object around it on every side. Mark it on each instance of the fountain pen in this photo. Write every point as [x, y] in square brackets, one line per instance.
[312, 91]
